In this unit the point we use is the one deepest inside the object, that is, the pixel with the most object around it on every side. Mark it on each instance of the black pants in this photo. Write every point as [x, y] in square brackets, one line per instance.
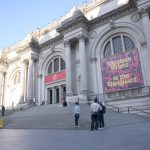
[101, 120]
[2, 113]
[76, 119]
[94, 121]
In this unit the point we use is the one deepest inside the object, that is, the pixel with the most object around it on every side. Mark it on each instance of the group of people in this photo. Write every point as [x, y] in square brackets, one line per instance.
[97, 115]
[97, 110]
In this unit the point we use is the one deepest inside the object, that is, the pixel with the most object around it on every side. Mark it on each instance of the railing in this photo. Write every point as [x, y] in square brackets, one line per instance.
[124, 94]
[130, 108]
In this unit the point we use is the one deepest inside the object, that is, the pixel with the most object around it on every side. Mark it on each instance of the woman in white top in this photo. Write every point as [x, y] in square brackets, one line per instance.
[76, 113]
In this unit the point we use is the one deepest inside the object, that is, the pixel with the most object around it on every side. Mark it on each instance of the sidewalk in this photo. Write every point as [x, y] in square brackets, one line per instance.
[127, 137]
[53, 129]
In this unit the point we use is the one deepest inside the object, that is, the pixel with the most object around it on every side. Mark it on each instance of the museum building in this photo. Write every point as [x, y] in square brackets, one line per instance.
[101, 48]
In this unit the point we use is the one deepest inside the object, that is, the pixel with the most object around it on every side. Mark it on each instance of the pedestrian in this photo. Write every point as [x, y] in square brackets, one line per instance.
[95, 107]
[64, 102]
[77, 114]
[101, 115]
[3, 110]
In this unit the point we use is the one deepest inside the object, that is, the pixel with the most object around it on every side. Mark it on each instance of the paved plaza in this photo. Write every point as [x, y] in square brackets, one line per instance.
[51, 127]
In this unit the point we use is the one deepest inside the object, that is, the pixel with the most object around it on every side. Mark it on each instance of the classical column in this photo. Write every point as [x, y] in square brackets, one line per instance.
[83, 64]
[144, 13]
[1, 86]
[68, 68]
[30, 82]
[23, 66]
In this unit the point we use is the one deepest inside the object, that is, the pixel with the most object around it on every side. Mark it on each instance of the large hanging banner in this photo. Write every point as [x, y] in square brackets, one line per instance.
[121, 72]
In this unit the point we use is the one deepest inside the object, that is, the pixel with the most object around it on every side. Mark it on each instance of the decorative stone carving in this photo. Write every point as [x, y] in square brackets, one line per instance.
[66, 43]
[53, 48]
[93, 34]
[93, 59]
[144, 11]
[143, 44]
[135, 17]
[112, 24]
[82, 36]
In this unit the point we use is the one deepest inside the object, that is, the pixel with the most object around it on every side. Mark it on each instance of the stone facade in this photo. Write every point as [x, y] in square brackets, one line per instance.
[63, 59]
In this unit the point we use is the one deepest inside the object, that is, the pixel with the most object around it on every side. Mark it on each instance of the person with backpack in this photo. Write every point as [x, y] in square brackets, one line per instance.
[95, 107]
[101, 115]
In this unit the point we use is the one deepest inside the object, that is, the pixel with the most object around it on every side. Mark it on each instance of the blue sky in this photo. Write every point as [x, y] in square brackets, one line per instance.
[20, 17]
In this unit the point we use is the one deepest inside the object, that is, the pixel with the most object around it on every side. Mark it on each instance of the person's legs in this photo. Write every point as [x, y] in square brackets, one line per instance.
[96, 121]
[92, 121]
[2, 113]
[76, 119]
[102, 121]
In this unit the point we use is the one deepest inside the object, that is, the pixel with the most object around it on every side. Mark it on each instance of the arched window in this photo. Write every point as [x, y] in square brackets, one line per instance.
[118, 44]
[56, 65]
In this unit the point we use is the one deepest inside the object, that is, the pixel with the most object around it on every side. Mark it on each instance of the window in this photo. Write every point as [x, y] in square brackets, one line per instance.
[63, 66]
[50, 68]
[118, 44]
[56, 65]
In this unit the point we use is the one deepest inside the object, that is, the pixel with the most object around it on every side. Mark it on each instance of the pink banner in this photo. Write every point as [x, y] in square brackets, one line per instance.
[55, 77]
[121, 72]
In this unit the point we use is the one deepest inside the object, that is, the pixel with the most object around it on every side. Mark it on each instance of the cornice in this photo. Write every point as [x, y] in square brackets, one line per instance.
[144, 11]
[31, 46]
[89, 6]
[74, 22]
[113, 15]
[80, 20]
[14, 60]
[49, 43]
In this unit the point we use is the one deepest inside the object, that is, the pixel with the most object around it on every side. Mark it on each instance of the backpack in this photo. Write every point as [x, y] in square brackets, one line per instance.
[103, 111]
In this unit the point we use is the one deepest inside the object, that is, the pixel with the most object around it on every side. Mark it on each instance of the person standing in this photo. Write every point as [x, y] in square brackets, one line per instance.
[95, 107]
[76, 114]
[3, 110]
[101, 116]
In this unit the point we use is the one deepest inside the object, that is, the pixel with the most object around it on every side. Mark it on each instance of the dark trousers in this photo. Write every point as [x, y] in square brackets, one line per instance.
[2, 112]
[76, 119]
[101, 120]
[94, 121]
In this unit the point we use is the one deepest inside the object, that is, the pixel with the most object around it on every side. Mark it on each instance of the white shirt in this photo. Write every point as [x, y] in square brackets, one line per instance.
[95, 107]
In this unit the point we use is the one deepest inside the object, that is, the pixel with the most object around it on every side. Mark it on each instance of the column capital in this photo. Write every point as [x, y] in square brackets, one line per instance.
[67, 43]
[93, 59]
[144, 11]
[82, 36]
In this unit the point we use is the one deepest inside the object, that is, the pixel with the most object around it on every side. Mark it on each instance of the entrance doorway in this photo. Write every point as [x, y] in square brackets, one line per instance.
[57, 95]
[51, 96]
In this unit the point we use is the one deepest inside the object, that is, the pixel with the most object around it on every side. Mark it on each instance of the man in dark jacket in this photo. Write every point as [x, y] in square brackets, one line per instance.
[101, 115]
